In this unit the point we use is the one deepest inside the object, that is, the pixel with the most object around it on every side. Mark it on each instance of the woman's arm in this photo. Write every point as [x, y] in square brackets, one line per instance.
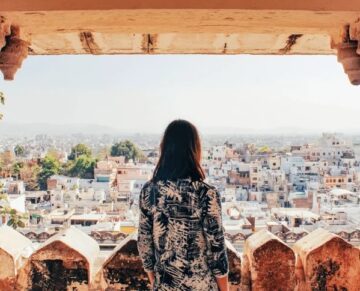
[223, 283]
[145, 241]
[214, 234]
[151, 276]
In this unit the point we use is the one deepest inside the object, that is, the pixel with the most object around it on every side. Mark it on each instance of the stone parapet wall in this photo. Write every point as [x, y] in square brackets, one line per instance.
[71, 259]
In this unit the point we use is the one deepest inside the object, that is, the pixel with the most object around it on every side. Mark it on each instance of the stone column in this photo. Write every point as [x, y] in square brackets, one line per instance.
[270, 263]
[327, 262]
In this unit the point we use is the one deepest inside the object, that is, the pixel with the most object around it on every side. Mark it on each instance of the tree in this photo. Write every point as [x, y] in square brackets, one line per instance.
[264, 149]
[127, 149]
[19, 150]
[16, 168]
[29, 174]
[83, 167]
[79, 150]
[102, 153]
[49, 167]
[52, 152]
[14, 219]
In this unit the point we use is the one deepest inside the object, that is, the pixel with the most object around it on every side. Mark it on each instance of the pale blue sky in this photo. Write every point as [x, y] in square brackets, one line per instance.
[143, 93]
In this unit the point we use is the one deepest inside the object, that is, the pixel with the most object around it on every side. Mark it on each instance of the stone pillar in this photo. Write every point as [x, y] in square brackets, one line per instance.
[269, 263]
[12, 246]
[234, 259]
[328, 262]
[65, 261]
[13, 53]
[123, 269]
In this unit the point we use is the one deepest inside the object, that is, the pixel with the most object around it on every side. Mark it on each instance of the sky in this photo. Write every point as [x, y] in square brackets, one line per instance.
[142, 93]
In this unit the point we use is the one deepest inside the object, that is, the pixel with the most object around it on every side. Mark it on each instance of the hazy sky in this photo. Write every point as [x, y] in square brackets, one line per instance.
[143, 93]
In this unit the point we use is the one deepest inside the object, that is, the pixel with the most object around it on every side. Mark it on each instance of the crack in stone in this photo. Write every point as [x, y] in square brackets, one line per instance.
[88, 43]
[291, 41]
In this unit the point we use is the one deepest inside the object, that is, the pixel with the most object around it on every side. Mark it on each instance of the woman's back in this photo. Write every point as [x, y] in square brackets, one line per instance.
[181, 234]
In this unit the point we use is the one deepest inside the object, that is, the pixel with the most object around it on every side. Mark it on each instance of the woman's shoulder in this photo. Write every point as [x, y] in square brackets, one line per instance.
[147, 186]
[206, 186]
[205, 190]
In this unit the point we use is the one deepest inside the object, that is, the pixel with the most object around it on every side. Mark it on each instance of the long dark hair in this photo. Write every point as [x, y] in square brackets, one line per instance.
[180, 153]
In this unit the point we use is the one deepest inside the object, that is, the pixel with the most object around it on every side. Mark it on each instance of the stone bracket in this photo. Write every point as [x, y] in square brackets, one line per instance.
[13, 52]
[348, 52]
[4, 31]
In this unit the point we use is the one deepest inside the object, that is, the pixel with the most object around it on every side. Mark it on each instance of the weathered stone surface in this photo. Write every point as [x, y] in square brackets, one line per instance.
[13, 53]
[4, 31]
[354, 33]
[178, 27]
[123, 269]
[12, 246]
[269, 263]
[234, 259]
[71, 259]
[66, 260]
[327, 262]
[348, 53]
[183, 26]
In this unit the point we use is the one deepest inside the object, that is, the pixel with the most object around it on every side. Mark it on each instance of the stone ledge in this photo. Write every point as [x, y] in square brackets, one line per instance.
[71, 259]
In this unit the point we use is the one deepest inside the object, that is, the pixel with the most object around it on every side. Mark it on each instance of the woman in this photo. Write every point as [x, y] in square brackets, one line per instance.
[180, 239]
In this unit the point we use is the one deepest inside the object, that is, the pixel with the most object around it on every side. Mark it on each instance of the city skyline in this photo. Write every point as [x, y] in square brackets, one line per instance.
[219, 94]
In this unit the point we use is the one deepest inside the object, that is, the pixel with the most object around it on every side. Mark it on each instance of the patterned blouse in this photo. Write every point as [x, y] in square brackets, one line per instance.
[181, 236]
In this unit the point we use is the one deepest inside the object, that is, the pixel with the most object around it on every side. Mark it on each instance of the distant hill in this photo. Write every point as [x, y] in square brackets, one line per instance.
[30, 129]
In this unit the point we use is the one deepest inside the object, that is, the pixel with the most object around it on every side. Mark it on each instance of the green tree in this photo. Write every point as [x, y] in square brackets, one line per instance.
[16, 168]
[102, 153]
[79, 150]
[15, 219]
[127, 149]
[49, 166]
[52, 152]
[19, 151]
[83, 167]
[264, 149]
[29, 174]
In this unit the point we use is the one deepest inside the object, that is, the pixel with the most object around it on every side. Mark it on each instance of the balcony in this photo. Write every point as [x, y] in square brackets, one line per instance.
[71, 259]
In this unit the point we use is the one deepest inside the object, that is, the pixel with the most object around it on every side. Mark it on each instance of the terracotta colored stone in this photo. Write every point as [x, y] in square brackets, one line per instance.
[183, 26]
[271, 263]
[12, 246]
[4, 31]
[328, 262]
[354, 33]
[123, 269]
[177, 27]
[65, 261]
[13, 54]
[348, 52]
[234, 259]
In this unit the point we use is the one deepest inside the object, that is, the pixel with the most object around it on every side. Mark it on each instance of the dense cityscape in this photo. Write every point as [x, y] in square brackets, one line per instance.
[289, 185]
